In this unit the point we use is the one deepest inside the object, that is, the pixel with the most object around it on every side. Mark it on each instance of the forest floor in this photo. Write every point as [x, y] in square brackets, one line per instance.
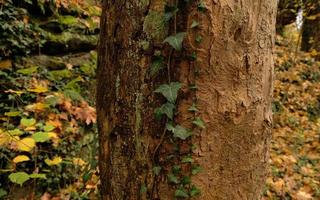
[48, 138]
[295, 148]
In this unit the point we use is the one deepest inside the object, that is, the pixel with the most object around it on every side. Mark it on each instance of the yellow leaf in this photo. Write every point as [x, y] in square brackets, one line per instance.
[26, 144]
[12, 114]
[55, 161]
[52, 135]
[78, 161]
[5, 64]
[37, 107]
[38, 89]
[4, 137]
[21, 158]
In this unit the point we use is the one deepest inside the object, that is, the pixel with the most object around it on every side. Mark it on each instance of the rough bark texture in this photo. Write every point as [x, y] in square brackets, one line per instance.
[311, 28]
[234, 97]
[233, 74]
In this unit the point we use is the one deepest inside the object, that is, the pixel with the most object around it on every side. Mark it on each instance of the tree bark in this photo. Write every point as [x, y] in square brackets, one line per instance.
[233, 73]
[311, 28]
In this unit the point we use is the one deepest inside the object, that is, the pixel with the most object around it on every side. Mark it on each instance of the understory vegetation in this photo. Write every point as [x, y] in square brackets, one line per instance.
[48, 136]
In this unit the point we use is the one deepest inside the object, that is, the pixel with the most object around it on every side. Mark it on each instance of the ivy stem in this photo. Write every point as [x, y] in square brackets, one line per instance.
[169, 65]
[161, 141]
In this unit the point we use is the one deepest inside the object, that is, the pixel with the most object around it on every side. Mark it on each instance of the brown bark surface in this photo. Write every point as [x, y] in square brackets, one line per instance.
[233, 74]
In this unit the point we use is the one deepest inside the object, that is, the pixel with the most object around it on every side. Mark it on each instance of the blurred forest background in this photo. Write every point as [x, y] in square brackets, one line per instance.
[48, 137]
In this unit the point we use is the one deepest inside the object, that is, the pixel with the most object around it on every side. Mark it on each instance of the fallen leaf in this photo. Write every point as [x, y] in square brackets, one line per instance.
[21, 158]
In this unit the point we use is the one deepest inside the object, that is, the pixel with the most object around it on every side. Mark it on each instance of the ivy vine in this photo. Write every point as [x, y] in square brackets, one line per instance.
[170, 90]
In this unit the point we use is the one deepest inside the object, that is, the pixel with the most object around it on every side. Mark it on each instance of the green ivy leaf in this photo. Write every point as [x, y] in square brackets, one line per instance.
[166, 109]
[156, 65]
[41, 176]
[41, 136]
[173, 179]
[198, 122]
[194, 191]
[193, 108]
[12, 114]
[202, 7]
[179, 132]
[15, 132]
[182, 193]
[27, 122]
[176, 40]
[186, 180]
[194, 24]
[176, 169]
[193, 87]
[170, 91]
[27, 71]
[198, 39]
[187, 159]
[19, 177]
[143, 189]
[196, 169]
[48, 128]
[2, 193]
[156, 170]
[193, 56]
[170, 11]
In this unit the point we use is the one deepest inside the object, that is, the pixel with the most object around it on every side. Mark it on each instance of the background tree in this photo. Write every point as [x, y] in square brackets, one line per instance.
[225, 69]
[287, 13]
[311, 28]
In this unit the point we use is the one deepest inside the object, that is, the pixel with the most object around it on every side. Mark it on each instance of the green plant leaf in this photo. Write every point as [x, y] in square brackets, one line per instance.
[40, 136]
[143, 189]
[27, 71]
[179, 132]
[12, 113]
[156, 170]
[186, 180]
[198, 122]
[170, 91]
[196, 169]
[193, 108]
[194, 191]
[176, 40]
[198, 39]
[19, 177]
[182, 193]
[169, 127]
[176, 169]
[48, 128]
[187, 159]
[41, 176]
[170, 11]
[173, 179]
[3, 193]
[194, 24]
[166, 109]
[156, 65]
[202, 7]
[15, 132]
[193, 56]
[27, 122]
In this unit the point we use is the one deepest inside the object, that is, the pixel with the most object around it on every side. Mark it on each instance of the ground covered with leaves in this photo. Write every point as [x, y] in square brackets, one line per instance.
[295, 148]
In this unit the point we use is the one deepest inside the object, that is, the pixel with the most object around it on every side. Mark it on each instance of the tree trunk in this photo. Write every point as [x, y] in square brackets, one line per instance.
[311, 28]
[232, 71]
[287, 13]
